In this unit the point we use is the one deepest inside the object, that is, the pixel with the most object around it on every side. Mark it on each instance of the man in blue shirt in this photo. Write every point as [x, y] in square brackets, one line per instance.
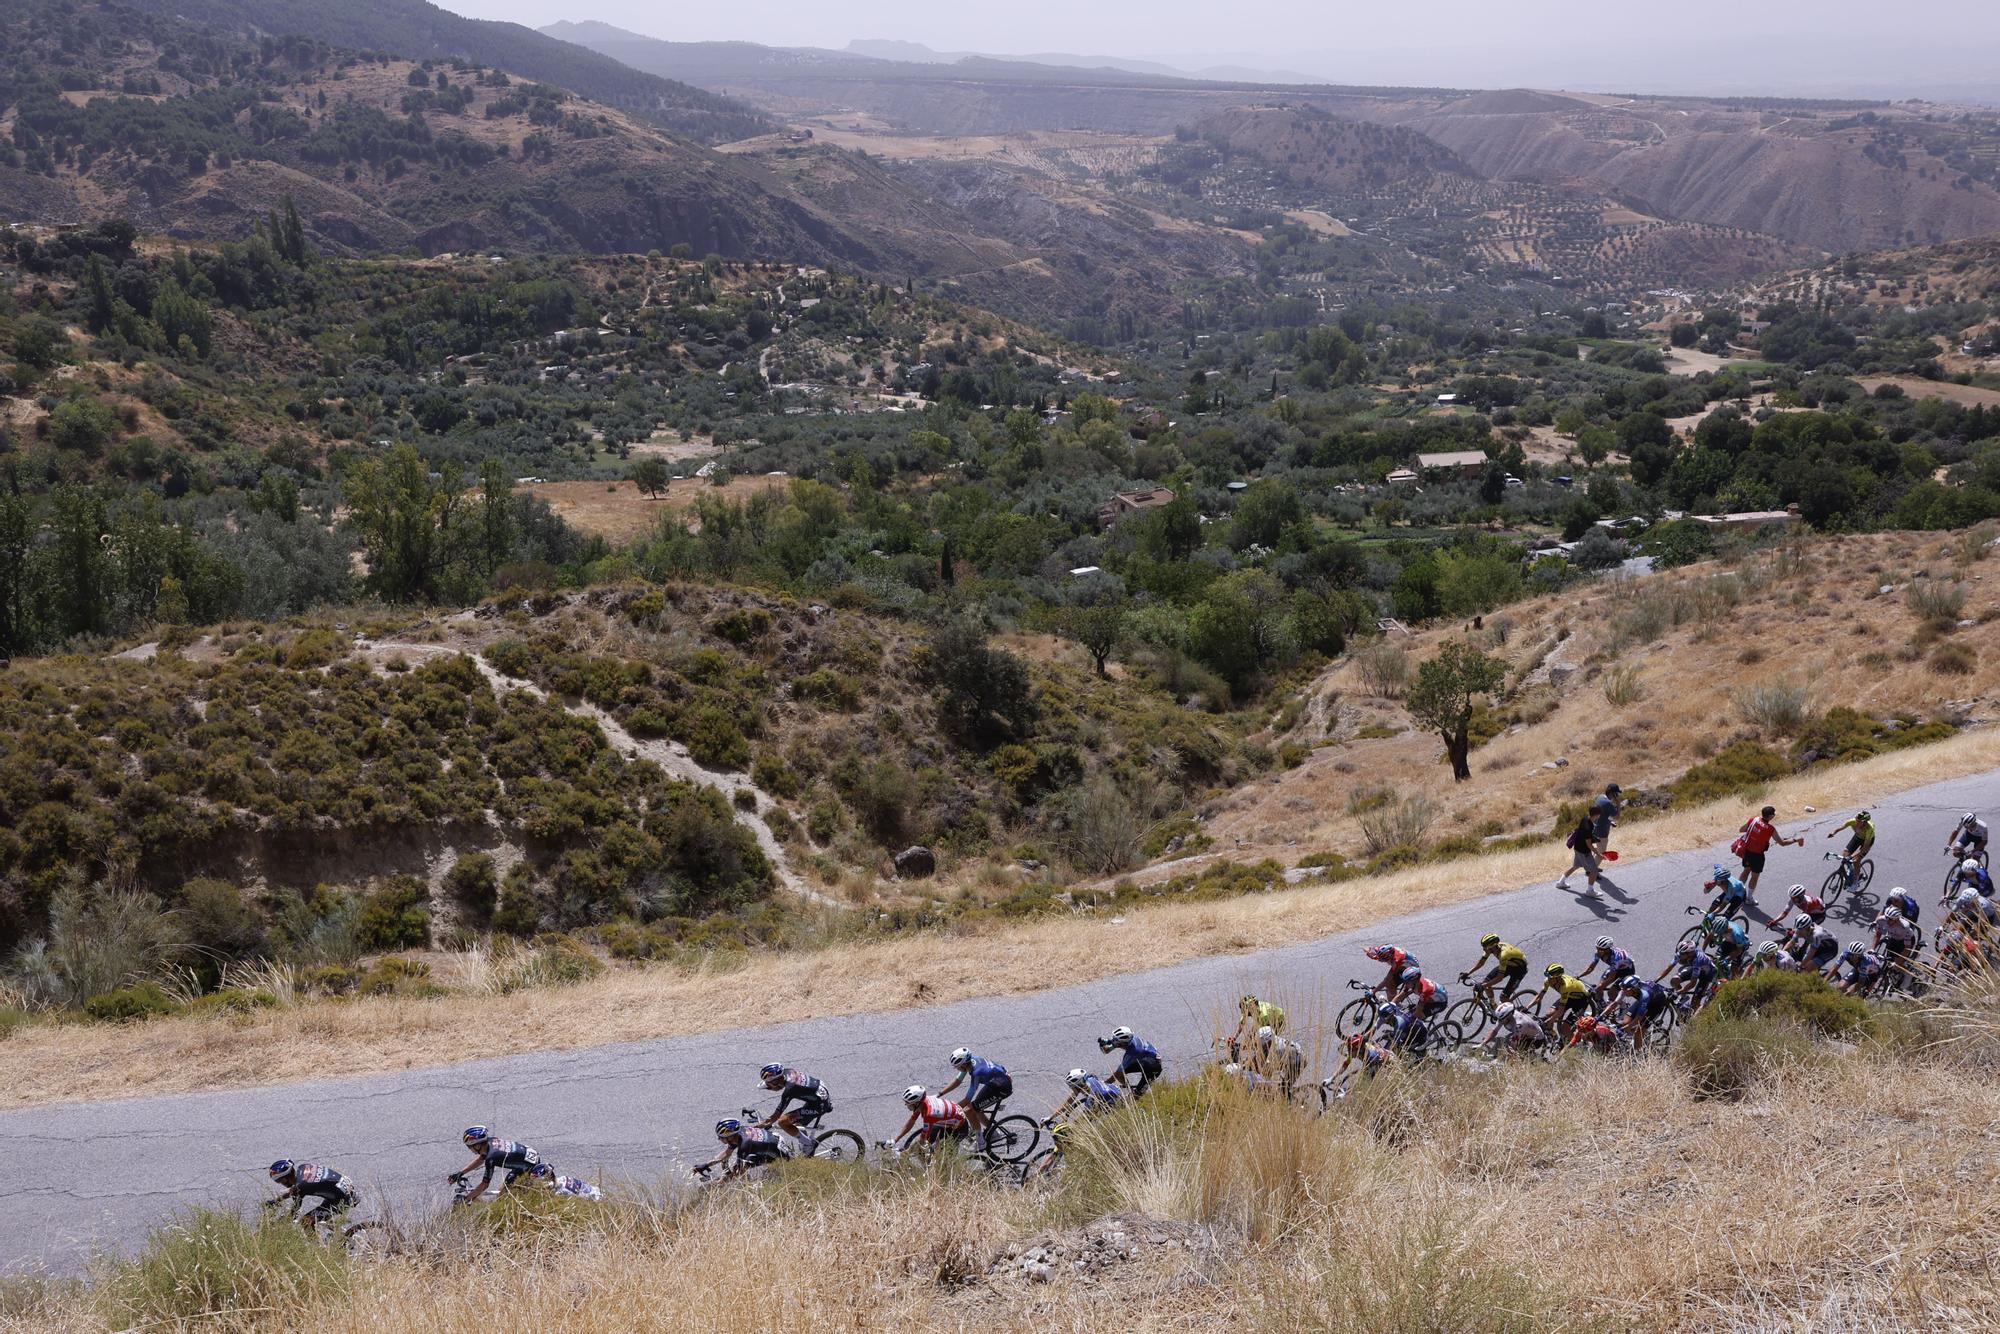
[987, 1086]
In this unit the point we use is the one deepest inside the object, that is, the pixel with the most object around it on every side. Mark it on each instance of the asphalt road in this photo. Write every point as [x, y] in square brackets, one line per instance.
[82, 1176]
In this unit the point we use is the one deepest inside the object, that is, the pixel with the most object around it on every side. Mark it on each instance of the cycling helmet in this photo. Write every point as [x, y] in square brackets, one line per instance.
[728, 1126]
[1862, 815]
[283, 1168]
[1853, 950]
[1120, 1034]
[1586, 1023]
[772, 1071]
[1490, 939]
[476, 1135]
[1969, 865]
[1768, 950]
[961, 1058]
[1605, 943]
[1249, 1002]
[1684, 950]
[1077, 1078]
[1355, 1042]
[1721, 873]
[1631, 983]
[1803, 922]
[1894, 913]
[1380, 952]
[1266, 1033]
[1967, 818]
[1410, 975]
[914, 1095]
[1232, 1069]
[1554, 970]
[1505, 1012]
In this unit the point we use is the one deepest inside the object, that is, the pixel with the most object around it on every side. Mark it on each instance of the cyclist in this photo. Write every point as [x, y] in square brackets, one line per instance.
[750, 1146]
[1864, 968]
[813, 1097]
[1088, 1095]
[1695, 977]
[1141, 1061]
[1903, 901]
[1643, 1002]
[1731, 892]
[1810, 944]
[1732, 950]
[1863, 826]
[1959, 952]
[940, 1117]
[1894, 937]
[1973, 911]
[1407, 1029]
[1769, 955]
[1370, 1056]
[987, 1085]
[1277, 1058]
[1800, 899]
[1516, 1029]
[1967, 837]
[318, 1194]
[1617, 963]
[1253, 1014]
[1420, 993]
[1597, 1034]
[1572, 995]
[1510, 966]
[575, 1188]
[1397, 960]
[1754, 840]
[495, 1155]
[1972, 874]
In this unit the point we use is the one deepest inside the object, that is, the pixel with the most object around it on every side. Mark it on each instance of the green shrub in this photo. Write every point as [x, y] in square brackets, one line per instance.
[1779, 707]
[328, 979]
[1735, 768]
[823, 821]
[742, 624]
[394, 975]
[712, 737]
[209, 1266]
[11, 1018]
[1027, 773]
[396, 917]
[314, 649]
[1805, 999]
[233, 1000]
[771, 773]
[1953, 659]
[472, 885]
[1844, 734]
[141, 1000]
[1936, 601]
[828, 689]
[218, 923]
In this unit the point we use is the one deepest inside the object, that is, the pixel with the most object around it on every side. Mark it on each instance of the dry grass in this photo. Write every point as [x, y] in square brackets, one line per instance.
[1849, 1190]
[40, 1064]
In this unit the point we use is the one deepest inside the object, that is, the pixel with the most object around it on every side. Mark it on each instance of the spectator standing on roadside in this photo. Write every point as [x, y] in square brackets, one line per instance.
[1589, 839]
[1754, 840]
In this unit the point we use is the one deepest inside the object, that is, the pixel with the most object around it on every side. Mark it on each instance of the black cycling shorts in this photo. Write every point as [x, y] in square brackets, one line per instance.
[1753, 861]
[991, 1093]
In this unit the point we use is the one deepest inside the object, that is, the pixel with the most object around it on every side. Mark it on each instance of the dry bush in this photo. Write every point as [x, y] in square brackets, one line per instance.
[1622, 685]
[1936, 601]
[1397, 824]
[1779, 707]
[1384, 669]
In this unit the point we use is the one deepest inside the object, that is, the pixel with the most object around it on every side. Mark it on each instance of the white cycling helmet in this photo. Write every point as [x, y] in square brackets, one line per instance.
[1076, 1079]
[1803, 922]
[1894, 914]
[1266, 1033]
[1604, 943]
[1796, 891]
[1967, 818]
[914, 1095]
[1969, 864]
[1505, 1012]
[1768, 950]
[962, 1056]
[1121, 1034]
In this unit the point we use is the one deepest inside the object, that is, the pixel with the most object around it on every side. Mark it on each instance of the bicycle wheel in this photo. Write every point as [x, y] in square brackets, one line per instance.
[1446, 1036]
[1694, 935]
[1357, 1016]
[1864, 876]
[1660, 1029]
[1470, 1016]
[1040, 1165]
[839, 1146]
[1012, 1138]
[1833, 887]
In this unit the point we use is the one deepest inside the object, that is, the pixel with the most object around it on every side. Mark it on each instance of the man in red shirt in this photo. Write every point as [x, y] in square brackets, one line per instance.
[1757, 835]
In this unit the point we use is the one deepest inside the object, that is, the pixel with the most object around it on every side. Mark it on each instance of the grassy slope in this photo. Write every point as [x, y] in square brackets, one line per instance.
[1842, 1191]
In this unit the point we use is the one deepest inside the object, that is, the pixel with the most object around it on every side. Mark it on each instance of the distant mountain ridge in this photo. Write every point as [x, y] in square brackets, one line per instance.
[420, 30]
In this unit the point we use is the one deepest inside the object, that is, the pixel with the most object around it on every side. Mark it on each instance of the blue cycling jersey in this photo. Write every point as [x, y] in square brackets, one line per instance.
[1618, 961]
[1700, 968]
[1649, 999]
[984, 1071]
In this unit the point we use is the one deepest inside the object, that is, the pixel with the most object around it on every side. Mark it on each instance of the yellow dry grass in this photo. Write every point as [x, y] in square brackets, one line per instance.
[40, 1064]
[1846, 1191]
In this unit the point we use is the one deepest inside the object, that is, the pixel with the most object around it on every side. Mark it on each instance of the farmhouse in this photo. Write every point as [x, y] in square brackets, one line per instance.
[1465, 462]
[1131, 502]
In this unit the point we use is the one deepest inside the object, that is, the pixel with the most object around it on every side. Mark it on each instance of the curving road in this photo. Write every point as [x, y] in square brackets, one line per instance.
[82, 1176]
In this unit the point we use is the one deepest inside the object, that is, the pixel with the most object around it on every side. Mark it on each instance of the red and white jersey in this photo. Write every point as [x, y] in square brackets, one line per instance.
[936, 1112]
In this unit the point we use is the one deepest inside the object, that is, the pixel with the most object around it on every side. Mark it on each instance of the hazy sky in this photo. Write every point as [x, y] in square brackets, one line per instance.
[1789, 46]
